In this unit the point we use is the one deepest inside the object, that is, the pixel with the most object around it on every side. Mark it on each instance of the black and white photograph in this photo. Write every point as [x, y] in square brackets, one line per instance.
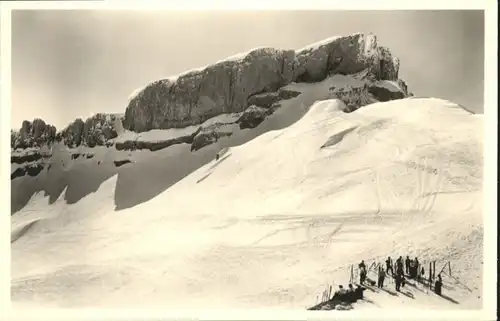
[302, 160]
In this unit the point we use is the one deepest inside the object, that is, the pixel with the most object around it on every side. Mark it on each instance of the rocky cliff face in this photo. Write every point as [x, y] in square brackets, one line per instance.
[32, 144]
[33, 134]
[98, 130]
[248, 88]
[227, 86]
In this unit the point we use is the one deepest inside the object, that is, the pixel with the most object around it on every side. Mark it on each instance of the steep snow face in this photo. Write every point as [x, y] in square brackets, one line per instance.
[272, 221]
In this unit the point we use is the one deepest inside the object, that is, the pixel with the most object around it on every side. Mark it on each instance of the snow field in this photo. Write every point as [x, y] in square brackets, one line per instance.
[275, 219]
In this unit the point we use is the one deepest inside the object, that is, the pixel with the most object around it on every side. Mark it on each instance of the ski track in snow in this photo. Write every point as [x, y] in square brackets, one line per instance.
[276, 219]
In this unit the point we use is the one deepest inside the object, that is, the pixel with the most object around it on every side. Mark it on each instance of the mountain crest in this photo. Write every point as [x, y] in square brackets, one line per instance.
[250, 85]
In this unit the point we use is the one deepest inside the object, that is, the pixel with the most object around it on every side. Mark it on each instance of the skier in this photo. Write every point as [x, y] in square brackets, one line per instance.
[388, 265]
[407, 264]
[438, 285]
[362, 265]
[415, 271]
[399, 266]
[422, 274]
[399, 262]
[362, 272]
[359, 292]
[398, 280]
[410, 269]
[381, 277]
[340, 293]
[350, 295]
[362, 276]
[217, 156]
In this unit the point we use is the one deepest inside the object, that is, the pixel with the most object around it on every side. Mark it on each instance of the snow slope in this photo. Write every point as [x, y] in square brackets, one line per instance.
[274, 220]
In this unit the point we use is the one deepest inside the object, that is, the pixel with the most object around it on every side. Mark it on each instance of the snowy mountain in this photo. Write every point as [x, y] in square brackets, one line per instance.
[252, 183]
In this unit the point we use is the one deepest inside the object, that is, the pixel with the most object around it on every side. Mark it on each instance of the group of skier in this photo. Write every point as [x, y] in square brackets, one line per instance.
[411, 267]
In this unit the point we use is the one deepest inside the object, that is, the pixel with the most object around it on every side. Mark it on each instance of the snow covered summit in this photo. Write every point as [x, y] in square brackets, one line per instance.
[226, 87]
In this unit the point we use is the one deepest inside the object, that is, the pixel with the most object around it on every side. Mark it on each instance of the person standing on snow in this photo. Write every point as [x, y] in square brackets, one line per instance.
[388, 265]
[399, 265]
[438, 285]
[399, 262]
[362, 272]
[407, 264]
[398, 281]
[362, 276]
[381, 277]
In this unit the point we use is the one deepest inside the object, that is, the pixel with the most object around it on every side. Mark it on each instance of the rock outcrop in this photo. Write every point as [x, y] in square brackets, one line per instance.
[72, 135]
[98, 130]
[120, 163]
[211, 134]
[231, 86]
[29, 161]
[32, 134]
[385, 91]
[266, 100]
[154, 145]
[27, 158]
[252, 117]
[30, 169]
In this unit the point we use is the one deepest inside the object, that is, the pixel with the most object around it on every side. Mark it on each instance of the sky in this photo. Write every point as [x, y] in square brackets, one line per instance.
[70, 64]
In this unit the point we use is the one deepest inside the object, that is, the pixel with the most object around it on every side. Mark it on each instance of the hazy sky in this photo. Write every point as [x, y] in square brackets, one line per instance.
[68, 64]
